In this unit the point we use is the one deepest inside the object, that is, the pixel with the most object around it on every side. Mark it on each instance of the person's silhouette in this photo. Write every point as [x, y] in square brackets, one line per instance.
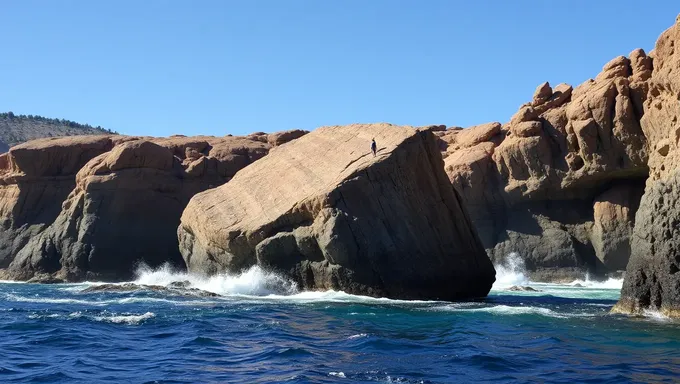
[374, 147]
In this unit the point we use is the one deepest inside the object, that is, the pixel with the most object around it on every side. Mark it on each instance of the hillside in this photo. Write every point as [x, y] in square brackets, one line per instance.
[16, 129]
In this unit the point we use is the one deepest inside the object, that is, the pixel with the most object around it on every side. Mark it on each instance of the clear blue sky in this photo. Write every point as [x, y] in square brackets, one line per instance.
[216, 67]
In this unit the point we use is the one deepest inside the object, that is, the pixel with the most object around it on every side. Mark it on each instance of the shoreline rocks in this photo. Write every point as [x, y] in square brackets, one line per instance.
[327, 213]
[118, 204]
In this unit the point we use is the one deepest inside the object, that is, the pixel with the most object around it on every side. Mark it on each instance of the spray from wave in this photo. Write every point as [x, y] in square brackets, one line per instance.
[512, 272]
[254, 281]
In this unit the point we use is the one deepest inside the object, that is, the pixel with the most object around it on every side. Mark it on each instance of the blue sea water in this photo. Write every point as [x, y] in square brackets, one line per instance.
[261, 330]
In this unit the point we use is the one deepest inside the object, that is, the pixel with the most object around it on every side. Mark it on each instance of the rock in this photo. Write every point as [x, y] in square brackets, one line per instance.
[538, 184]
[613, 224]
[651, 281]
[280, 138]
[480, 133]
[35, 179]
[516, 288]
[542, 94]
[330, 215]
[175, 288]
[108, 203]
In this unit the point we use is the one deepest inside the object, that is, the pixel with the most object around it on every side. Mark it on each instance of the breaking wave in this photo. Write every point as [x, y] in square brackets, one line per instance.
[253, 282]
[512, 272]
[129, 319]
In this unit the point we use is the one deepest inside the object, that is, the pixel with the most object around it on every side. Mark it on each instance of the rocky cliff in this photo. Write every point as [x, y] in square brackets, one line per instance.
[92, 207]
[652, 280]
[560, 183]
[330, 215]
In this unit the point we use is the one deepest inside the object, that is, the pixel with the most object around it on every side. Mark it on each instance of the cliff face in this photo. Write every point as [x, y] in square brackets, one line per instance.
[330, 215]
[92, 207]
[560, 183]
[652, 280]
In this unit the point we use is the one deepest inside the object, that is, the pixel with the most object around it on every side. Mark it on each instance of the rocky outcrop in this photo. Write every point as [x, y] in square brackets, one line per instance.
[93, 207]
[559, 184]
[35, 179]
[652, 281]
[326, 212]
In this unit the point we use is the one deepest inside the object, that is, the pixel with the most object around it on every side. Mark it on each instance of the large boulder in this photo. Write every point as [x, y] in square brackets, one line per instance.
[330, 215]
[118, 203]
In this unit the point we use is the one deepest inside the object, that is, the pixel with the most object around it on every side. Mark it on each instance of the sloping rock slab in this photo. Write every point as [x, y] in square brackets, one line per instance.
[327, 213]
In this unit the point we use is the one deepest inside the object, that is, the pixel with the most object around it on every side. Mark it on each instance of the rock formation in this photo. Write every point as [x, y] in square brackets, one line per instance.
[92, 207]
[327, 213]
[652, 281]
[559, 183]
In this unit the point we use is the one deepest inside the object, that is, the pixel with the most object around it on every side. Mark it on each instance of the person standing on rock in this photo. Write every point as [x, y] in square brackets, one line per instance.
[373, 146]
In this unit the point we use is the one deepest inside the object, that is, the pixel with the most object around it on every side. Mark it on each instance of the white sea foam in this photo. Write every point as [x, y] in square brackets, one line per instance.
[256, 284]
[655, 315]
[357, 336]
[610, 283]
[505, 310]
[129, 319]
[36, 299]
[337, 374]
[252, 282]
[511, 272]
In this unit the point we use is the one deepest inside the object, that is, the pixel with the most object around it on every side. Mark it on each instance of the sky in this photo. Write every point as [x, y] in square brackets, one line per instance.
[222, 67]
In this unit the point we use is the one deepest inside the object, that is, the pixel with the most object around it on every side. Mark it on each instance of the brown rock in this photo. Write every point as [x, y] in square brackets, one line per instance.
[652, 281]
[329, 214]
[474, 135]
[280, 138]
[542, 94]
[122, 207]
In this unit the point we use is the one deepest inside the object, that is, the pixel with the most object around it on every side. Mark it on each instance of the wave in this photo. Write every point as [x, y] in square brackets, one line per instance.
[512, 272]
[129, 319]
[11, 297]
[610, 283]
[357, 336]
[124, 318]
[253, 282]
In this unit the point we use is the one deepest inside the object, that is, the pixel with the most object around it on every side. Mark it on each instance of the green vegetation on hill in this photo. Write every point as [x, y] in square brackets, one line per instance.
[16, 129]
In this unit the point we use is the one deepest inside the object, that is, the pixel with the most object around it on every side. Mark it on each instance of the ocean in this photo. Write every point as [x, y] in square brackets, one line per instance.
[262, 330]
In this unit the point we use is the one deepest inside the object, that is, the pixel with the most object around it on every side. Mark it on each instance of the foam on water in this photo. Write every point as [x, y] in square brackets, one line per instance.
[44, 300]
[129, 319]
[252, 282]
[510, 272]
[255, 284]
[610, 283]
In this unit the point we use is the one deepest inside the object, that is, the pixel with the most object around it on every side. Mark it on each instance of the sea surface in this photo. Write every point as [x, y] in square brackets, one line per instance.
[262, 330]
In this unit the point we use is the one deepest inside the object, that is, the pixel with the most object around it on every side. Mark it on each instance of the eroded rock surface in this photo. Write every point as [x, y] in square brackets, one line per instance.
[93, 207]
[326, 212]
[541, 184]
[652, 281]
